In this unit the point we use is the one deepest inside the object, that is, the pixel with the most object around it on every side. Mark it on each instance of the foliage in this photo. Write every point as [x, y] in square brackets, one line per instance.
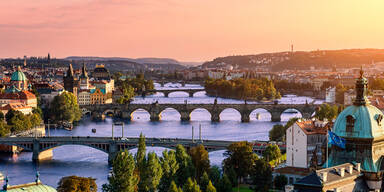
[64, 107]
[288, 85]
[140, 158]
[39, 111]
[327, 111]
[271, 153]
[173, 188]
[77, 184]
[255, 89]
[204, 180]
[200, 160]
[277, 133]
[240, 157]
[261, 175]
[124, 175]
[210, 187]
[186, 169]
[191, 186]
[214, 175]
[232, 176]
[340, 90]
[376, 84]
[2, 116]
[152, 174]
[19, 122]
[138, 84]
[170, 166]
[280, 181]
[128, 94]
[225, 185]
[4, 129]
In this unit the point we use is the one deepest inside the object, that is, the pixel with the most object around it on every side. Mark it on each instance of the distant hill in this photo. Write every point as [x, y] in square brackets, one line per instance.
[300, 60]
[121, 64]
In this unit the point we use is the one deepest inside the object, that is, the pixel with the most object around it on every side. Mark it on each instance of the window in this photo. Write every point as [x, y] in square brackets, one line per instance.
[350, 124]
[379, 118]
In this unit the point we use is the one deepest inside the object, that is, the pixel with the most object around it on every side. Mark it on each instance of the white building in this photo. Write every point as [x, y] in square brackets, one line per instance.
[330, 95]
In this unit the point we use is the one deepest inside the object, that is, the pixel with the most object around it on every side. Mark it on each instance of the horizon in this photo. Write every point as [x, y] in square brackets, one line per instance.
[186, 31]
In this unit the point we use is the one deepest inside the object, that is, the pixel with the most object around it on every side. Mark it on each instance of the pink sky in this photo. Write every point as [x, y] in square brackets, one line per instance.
[187, 30]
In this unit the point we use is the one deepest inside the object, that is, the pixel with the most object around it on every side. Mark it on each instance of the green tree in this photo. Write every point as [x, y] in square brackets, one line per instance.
[39, 111]
[35, 119]
[152, 173]
[272, 152]
[327, 111]
[204, 180]
[200, 160]
[277, 133]
[10, 114]
[141, 162]
[170, 167]
[210, 187]
[261, 175]
[124, 174]
[225, 185]
[290, 122]
[128, 94]
[4, 129]
[191, 186]
[64, 107]
[214, 175]
[173, 188]
[240, 157]
[186, 168]
[2, 117]
[77, 184]
[280, 181]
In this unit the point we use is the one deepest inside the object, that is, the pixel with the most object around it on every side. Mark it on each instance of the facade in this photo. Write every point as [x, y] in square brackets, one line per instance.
[99, 96]
[304, 139]
[19, 80]
[84, 79]
[349, 96]
[107, 85]
[70, 82]
[330, 95]
[84, 97]
[101, 73]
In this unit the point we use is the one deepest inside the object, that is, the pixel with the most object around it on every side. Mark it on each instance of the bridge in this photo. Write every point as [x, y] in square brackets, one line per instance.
[125, 111]
[166, 92]
[41, 147]
[182, 82]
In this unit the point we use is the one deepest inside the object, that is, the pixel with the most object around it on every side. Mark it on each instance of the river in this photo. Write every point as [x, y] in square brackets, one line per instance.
[88, 162]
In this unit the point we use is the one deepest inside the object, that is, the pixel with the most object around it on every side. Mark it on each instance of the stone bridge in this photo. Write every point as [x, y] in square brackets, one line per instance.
[182, 82]
[41, 147]
[98, 112]
[166, 92]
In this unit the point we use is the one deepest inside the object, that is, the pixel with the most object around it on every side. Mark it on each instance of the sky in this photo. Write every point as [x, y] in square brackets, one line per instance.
[186, 30]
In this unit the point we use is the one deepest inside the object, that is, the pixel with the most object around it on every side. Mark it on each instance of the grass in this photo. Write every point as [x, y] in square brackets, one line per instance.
[243, 188]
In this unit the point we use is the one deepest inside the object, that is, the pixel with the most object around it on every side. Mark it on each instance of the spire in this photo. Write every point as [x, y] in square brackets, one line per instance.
[361, 90]
[84, 73]
[37, 177]
[5, 186]
[18, 68]
[70, 70]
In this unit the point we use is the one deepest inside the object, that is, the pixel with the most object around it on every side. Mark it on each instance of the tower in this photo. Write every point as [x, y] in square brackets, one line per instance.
[84, 79]
[69, 79]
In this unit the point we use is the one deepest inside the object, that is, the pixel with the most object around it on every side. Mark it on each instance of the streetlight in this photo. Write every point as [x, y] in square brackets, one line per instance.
[112, 131]
[49, 130]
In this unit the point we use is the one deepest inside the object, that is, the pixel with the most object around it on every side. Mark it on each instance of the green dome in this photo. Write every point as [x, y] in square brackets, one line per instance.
[365, 121]
[31, 187]
[18, 75]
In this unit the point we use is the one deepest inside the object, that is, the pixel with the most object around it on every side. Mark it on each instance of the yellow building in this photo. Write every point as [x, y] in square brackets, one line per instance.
[99, 96]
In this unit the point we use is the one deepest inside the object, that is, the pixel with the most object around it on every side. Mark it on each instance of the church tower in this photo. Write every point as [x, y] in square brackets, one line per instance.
[84, 79]
[362, 127]
[69, 80]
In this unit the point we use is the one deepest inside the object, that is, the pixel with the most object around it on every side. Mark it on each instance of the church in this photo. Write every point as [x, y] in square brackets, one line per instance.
[360, 166]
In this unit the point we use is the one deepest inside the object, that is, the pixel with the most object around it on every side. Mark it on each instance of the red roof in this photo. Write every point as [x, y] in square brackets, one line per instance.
[18, 95]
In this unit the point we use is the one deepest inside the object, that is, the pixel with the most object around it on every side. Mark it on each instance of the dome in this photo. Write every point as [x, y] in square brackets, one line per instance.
[32, 187]
[18, 75]
[359, 121]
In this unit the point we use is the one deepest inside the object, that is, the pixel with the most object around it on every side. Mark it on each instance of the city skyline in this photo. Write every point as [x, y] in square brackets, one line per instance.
[185, 30]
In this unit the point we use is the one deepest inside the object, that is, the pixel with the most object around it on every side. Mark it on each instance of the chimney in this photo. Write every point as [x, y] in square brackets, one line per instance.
[350, 169]
[342, 171]
[357, 166]
[323, 176]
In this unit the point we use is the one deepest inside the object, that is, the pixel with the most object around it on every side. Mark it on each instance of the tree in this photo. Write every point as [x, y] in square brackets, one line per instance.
[204, 180]
[240, 157]
[191, 186]
[77, 184]
[277, 133]
[272, 152]
[10, 114]
[327, 111]
[214, 175]
[35, 119]
[140, 158]
[280, 181]
[4, 129]
[200, 160]
[2, 117]
[128, 94]
[210, 187]
[39, 111]
[225, 184]
[170, 166]
[186, 168]
[261, 175]
[173, 188]
[152, 174]
[124, 174]
[64, 107]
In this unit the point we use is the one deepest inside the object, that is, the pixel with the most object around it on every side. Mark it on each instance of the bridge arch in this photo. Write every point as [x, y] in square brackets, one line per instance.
[104, 147]
[198, 93]
[172, 111]
[137, 111]
[260, 114]
[289, 113]
[172, 93]
[236, 116]
[200, 114]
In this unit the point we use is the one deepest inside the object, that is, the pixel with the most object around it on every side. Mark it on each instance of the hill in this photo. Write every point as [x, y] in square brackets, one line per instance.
[300, 60]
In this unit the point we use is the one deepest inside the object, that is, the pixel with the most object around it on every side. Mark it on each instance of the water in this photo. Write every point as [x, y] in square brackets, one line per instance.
[88, 162]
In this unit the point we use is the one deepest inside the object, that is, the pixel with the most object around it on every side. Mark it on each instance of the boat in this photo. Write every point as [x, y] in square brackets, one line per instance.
[93, 130]
[258, 116]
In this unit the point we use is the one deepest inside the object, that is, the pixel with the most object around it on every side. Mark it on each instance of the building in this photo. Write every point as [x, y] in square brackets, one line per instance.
[84, 79]
[19, 80]
[70, 82]
[361, 126]
[30, 187]
[84, 97]
[107, 85]
[330, 95]
[99, 96]
[349, 96]
[101, 73]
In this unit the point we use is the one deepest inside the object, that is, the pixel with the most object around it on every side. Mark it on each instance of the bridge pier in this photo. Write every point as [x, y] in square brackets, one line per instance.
[38, 155]
[183, 84]
[185, 116]
[112, 152]
[276, 116]
[215, 117]
[154, 116]
[245, 117]
[306, 115]
[191, 94]
[162, 83]
[98, 116]
[126, 116]
[166, 94]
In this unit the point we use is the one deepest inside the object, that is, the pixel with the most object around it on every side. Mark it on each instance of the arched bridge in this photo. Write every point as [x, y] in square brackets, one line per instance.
[113, 145]
[166, 92]
[98, 112]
